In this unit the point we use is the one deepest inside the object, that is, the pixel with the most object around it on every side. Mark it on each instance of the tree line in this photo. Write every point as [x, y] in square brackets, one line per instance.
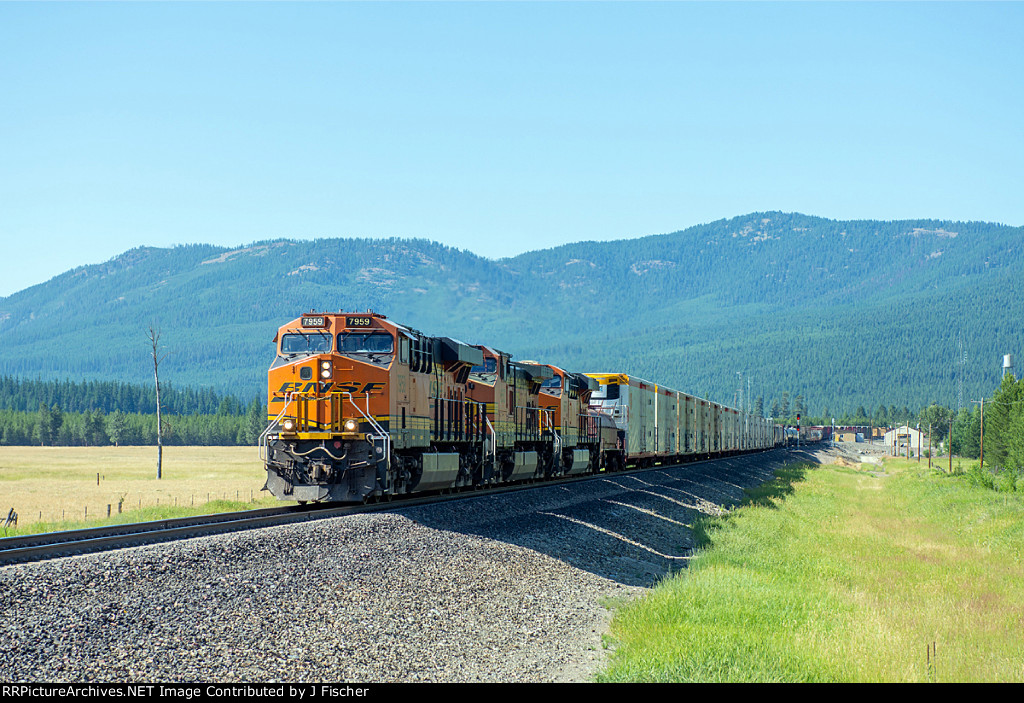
[111, 413]
[995, 425]
[1003, 426]
[77, 397]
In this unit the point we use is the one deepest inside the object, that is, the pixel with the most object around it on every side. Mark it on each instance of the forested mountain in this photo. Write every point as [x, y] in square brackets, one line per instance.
[843, 313]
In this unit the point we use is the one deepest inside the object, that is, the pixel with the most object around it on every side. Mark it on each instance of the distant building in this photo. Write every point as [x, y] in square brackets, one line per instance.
[845, 435]
[897, 441]
[852, 433]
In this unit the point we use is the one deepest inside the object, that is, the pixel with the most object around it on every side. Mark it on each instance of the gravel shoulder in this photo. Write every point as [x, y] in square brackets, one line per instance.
[497, 588]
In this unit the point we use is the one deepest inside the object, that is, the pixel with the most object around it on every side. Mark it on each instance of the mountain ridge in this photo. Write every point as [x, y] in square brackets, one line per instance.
[689, 308]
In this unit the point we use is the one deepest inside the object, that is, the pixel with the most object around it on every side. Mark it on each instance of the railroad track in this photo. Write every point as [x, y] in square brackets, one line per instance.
[51, 545]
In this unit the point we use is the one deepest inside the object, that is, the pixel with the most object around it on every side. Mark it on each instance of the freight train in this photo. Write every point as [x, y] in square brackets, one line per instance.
[363, 408]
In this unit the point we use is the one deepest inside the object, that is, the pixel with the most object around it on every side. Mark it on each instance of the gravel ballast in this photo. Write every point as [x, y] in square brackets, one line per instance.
[498, 588]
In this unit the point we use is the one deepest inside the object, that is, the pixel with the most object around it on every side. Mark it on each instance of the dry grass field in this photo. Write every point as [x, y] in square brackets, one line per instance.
[58, 485]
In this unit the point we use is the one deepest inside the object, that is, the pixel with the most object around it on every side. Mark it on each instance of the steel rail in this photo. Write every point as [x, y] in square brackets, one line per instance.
[50, 545]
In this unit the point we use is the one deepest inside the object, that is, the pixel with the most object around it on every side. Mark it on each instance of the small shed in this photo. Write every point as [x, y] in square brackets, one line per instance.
[898, 440]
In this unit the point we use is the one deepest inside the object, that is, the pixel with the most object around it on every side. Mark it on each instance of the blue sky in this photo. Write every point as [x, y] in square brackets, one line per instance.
[492, 127]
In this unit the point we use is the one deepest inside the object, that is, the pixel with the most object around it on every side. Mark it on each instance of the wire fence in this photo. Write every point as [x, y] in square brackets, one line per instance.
[99, 510]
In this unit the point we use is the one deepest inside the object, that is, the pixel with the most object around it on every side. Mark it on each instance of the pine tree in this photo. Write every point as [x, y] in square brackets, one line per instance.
[255, 421]
[43, 431]
[117, 427]
[999, 420]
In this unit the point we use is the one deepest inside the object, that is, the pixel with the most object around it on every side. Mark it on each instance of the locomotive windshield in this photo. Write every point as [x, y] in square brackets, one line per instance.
[490, 366]
[365, 343]
[553, 382]
[305, 343]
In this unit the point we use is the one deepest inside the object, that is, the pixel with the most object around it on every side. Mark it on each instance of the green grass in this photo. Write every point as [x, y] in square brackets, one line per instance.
[838, 574]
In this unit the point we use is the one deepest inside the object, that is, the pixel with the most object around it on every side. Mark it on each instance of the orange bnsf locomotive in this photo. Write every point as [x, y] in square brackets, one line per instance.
[361, 407]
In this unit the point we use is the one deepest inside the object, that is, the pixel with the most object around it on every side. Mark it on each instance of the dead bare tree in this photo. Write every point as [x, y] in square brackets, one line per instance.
[154, 339]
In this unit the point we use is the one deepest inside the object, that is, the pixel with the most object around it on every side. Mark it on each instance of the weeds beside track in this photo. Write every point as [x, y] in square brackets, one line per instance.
[835, 573]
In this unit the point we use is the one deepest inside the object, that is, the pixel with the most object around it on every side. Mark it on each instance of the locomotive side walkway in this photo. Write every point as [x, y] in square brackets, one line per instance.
[499, 588]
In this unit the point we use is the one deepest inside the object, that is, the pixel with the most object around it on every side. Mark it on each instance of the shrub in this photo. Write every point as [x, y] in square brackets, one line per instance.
[1006, 481]
[979, 477]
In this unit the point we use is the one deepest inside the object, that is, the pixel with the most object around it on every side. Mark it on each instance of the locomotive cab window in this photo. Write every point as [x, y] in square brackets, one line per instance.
[370, 343]
[305, 343]
[552, 386]
[490, 365]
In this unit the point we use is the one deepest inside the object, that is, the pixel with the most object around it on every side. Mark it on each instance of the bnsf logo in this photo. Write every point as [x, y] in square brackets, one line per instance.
[328, 387]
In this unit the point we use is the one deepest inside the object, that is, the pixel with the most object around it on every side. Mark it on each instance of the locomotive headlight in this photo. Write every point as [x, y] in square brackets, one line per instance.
[289, 425]
[351, 425]
[325, 373]
[325, 368]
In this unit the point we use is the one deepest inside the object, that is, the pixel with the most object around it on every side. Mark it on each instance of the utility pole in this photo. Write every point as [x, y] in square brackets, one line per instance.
[739, 406]
[981, 460]
[154, 339]
[950, 442]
